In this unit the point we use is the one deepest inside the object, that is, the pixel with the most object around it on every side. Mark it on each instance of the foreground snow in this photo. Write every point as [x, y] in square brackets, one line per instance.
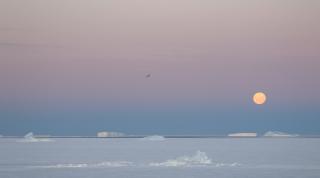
[172, 158]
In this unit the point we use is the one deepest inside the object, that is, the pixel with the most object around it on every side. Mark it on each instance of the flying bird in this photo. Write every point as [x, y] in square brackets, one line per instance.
[148, 75]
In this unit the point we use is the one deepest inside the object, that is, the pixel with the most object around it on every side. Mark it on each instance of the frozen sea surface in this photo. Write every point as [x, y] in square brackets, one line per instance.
[165, 158]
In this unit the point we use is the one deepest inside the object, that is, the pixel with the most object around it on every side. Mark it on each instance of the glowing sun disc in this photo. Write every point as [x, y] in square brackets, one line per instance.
[259, 98]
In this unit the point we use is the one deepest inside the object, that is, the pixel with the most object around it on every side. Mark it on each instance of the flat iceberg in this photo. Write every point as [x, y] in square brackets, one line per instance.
[103, 134]
[279, 134]
[243, 134]
[154, 138]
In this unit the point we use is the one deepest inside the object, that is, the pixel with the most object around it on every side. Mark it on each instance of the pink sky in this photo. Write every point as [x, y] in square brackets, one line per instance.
[195, 50]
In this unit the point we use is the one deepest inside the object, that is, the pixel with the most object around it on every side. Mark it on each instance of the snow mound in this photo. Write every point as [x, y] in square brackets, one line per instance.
[85, 165]
[227, 164]
[198, 159]
[113, 164]
[66, 166]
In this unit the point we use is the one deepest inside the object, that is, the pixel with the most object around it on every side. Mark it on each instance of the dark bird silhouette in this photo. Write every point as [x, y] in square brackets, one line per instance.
[148, 75]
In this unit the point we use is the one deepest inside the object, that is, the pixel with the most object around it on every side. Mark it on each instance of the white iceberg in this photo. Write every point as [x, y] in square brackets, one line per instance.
[29, 138]
[243, 134]
[279, 134]
[103, 134]
[154, 138]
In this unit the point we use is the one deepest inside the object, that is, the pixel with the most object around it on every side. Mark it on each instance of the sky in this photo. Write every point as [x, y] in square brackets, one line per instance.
[76, 67]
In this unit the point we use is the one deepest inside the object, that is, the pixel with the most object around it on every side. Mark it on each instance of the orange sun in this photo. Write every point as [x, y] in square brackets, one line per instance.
[259, 98]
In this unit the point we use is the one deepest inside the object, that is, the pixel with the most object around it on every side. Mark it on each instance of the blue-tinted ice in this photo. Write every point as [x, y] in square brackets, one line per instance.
[165, 158]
